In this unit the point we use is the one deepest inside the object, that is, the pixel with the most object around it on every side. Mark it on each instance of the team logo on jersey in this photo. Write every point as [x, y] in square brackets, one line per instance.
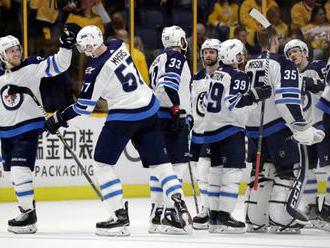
[89, 70]
[200, 107]
[11, 102]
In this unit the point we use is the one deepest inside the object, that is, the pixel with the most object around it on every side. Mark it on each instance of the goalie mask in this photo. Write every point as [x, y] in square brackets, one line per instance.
[174, 36]
[7, 42]
[89, 39]
[211, 44]
[295, 43]
[232, 52]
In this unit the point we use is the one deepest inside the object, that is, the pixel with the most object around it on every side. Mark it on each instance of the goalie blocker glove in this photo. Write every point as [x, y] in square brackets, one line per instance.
[305, 134]
[55, 122]
[69, 34]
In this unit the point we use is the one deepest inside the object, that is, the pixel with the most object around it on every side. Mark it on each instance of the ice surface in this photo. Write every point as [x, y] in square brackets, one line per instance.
[72, 224]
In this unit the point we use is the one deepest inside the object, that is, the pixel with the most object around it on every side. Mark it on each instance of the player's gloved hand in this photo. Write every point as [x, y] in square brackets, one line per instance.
[69, 34]
[54, 122]
[305, 134]
[260, 93]
[179, 118]
[189, 122]
[313, 85]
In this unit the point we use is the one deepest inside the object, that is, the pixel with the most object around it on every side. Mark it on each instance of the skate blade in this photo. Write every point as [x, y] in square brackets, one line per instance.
[154, 228]
[30, 229]
[226, 229]
[113, 232]
[252, 229]
[277, 230]
[199, 226]
[164, 229]
[322, 225]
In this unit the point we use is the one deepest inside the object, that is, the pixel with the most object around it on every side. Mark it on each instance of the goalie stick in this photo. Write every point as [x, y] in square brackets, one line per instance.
[24, 90]
[297, 188]
[266, 24]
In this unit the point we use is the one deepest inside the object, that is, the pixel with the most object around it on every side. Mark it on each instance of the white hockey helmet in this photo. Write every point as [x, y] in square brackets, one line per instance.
[89, 36]
[229, 50]
[295, 43]
[174, 36]
[211, 44]
[5, 43]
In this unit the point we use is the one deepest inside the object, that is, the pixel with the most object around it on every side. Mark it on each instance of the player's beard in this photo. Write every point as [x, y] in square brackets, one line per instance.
[209, 62]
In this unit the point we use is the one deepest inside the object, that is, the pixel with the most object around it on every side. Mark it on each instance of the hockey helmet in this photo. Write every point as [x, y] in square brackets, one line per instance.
[174, 36]
[229, 50]
[295, 43]
[5, 43]
[211, 44]
[89, 36]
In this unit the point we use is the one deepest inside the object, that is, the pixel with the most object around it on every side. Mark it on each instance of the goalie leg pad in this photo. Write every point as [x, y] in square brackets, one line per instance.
[258, 202]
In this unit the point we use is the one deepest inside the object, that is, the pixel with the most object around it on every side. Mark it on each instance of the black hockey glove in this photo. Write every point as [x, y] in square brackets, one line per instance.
[69, 34]
[189, 122]
[313, 85]
[55, 122]
[178, 118]
[260, 93]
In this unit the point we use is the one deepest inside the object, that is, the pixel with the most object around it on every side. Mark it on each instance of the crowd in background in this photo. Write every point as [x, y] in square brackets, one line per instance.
[308, 20]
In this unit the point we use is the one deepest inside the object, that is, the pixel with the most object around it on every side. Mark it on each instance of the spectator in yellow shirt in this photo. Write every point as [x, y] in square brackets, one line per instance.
[274, 17]
[86, 16]
[225, 12]
[327, 8]
[252, 25]
[301, 13]
[138, 57]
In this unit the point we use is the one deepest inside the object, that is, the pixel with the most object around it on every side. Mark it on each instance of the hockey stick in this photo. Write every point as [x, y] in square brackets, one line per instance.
[193, 186]
[24, 90]
[266, 24]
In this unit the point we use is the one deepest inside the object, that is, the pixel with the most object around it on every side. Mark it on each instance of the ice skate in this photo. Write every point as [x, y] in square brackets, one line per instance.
[155, 219]
[171, 223]
[254, 228]
[291, 228]
[116, 225]
[25, 223]
[227, 224]
[182, 211]
[321, 220]
[201, 221]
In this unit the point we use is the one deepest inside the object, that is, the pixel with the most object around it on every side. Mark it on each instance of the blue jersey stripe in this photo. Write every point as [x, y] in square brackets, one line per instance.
[228, 194]
[56, 69]
[288, 101]
[86, 102]
[22, 129]
[267, 130]
[48, 68]
[170, 85]
[135, 116]
[205, 139]
[81, 111]
[287, 90]
[325, 108]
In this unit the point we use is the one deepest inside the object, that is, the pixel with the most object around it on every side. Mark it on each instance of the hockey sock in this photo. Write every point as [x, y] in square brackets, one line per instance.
[180, 169]
[110, 185]
[156, 191]
[168, 181]
[229, 188]
[23, 184]
[203, 167]
[213, 189]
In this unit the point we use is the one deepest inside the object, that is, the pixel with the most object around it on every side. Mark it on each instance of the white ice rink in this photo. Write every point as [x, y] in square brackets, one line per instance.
[71, 224]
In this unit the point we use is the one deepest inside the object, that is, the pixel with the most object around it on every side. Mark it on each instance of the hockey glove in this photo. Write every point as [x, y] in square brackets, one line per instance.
[189, 122]
[178, 118]
[55, 122]
[260, 93]
[305, 134]
[313, 85]
[69, 34]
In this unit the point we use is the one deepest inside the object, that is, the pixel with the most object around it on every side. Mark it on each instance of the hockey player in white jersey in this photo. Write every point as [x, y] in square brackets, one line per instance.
[20, 119]
[323, 217]
[313, 83]
[200, 153]
[228, 97]
[170, 80]
[283, 118]
[111, 74]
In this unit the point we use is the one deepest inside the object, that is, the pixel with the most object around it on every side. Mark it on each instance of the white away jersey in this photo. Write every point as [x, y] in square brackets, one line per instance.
[18, 112]
[226, 88]
[315, 70]
[285, 105]
[199, 87]
[114, 77]
[170, 69]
